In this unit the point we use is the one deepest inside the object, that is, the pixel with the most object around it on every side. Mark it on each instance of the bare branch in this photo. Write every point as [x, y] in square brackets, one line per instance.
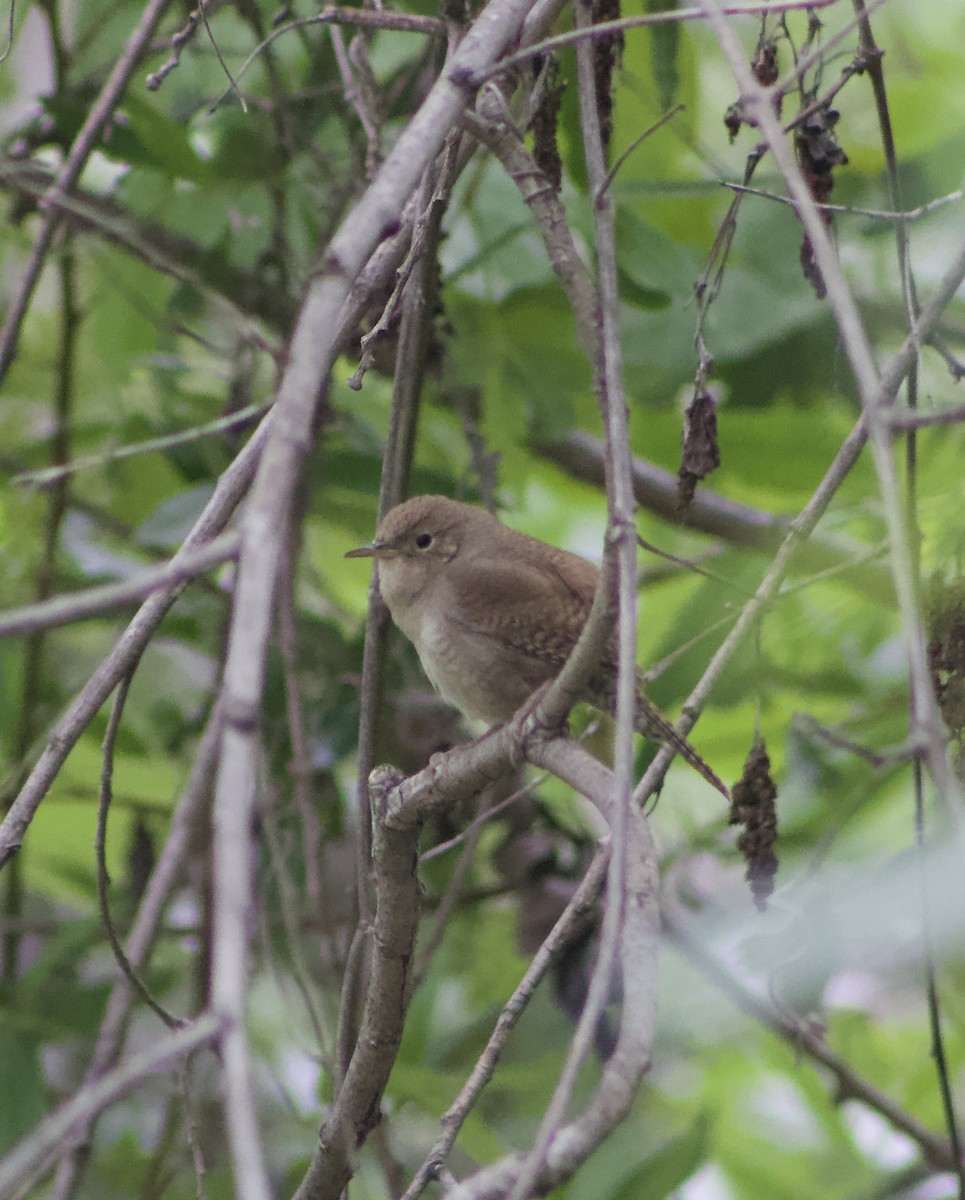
[364, 18]
[924, 715]
[46, 476]
[606, 29]
[94, 602]
[802, 1040]
[452, 1120]
[621, 539]
[231, 487]
[575, 1140]
[850, 210]
[241, 292]
[81, 149]
[581, 455]
[906, 418]
[100, 848]
[30, 1155]
[312, 352]
[110, 1037]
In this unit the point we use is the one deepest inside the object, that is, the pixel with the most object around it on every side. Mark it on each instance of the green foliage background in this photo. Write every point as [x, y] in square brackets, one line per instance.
[171, 310]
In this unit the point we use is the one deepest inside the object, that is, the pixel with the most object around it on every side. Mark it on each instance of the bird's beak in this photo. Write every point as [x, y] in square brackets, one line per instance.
[373, 550]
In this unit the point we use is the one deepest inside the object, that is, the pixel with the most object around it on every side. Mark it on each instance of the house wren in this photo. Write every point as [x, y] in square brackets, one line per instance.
[494, 614]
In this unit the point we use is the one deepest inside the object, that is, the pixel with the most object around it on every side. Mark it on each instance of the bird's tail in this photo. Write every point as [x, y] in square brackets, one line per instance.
[653, 725]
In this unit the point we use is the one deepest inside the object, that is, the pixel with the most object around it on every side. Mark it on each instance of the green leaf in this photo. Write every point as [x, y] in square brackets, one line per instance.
[172, 519]
[661, 1173]
[138, 135]
[21, 1084]
[664, 47]
[652, 260]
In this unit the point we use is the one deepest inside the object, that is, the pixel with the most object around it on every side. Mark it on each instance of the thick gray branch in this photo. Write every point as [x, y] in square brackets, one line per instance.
[656, 489]
[312, 352]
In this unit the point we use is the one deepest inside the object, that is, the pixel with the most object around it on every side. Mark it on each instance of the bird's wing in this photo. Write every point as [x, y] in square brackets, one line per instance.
[537, 608]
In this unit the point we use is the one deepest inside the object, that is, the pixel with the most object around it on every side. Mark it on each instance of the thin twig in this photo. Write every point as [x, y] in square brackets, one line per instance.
[481, 819]
[559, 936]
[100, 847]
[11, 25]
[366, 18]
[932, 999]
[95, 601]
[202, 10]
[300, 769]
[621, 537]
[433, 940]
[906, 418]
[687, 564]
[850, 210]
[267, 518]
[606, 29]
[177, 42]
[799, 1037]
[955, 366]
[288, 903]
[355, 94]
[810, 727]
[81, 149]
[144, 932]
[46, 476]
[350, 1001]
[30, 1154]
[45, 581]
[231, 487]
[636, 143]
[655, 670]
[926, 717]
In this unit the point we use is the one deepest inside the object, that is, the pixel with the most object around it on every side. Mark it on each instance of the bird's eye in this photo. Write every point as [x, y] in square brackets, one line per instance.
[424, 541]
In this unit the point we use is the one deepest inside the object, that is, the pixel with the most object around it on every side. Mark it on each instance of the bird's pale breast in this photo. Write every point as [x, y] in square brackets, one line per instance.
[474, 672]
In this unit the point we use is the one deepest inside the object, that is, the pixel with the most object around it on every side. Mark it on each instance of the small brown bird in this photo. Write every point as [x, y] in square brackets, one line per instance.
[494, 614]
